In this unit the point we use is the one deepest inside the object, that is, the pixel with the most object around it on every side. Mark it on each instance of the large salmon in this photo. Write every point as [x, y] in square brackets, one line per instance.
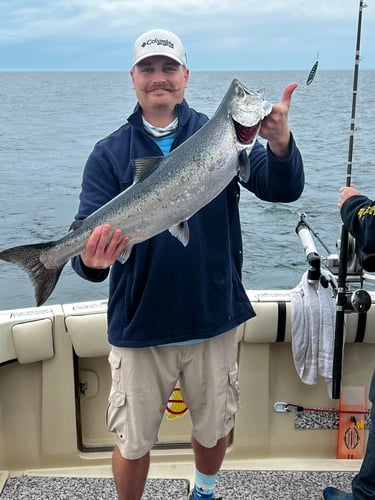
[166, 191]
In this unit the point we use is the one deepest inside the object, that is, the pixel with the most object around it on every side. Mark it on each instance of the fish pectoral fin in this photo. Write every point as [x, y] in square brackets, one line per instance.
[244, 166]
[143, 167]
[123, 257]
[181, 232]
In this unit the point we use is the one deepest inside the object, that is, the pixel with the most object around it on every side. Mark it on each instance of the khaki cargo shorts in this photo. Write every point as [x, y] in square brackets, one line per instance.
[144, 378]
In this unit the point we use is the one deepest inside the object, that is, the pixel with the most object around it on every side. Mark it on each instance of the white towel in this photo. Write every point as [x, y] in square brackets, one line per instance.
[313, 328]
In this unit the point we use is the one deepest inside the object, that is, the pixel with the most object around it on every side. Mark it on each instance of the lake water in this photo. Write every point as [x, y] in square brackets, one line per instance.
[50, 121]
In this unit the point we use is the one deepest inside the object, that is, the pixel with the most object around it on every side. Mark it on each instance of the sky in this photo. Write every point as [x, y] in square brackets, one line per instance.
[217, 34]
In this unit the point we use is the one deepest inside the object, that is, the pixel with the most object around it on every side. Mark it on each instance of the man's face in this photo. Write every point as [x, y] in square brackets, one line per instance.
[159, 83]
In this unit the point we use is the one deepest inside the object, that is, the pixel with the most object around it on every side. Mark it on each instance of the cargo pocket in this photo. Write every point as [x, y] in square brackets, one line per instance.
[114, 360]
[233, 396]
[116, 413]
[116, 409]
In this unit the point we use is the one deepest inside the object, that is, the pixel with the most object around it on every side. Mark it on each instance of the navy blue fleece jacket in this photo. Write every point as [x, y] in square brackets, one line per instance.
[165, 292]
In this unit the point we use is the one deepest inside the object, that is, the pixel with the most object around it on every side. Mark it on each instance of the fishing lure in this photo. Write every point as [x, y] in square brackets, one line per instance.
[312, 73]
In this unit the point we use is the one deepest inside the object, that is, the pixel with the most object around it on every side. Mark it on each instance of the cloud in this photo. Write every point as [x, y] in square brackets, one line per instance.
[218, 34]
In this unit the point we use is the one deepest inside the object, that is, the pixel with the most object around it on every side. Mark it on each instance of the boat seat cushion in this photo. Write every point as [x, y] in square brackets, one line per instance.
[88, 333]
[33, 340]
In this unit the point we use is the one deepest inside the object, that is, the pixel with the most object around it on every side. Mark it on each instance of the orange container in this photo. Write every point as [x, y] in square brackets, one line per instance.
[350, 443]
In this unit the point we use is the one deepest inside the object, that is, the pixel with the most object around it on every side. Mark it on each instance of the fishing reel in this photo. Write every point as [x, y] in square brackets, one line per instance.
[359, 301]
[353, 264]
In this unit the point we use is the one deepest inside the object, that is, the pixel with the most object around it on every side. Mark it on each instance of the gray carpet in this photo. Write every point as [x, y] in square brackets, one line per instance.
[279, 485]
[231, 485]
[93, 488]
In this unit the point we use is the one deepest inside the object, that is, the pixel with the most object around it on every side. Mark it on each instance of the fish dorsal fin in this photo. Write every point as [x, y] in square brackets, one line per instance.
[143, 167]
[244, 166]
[75, 225]
[181, 232]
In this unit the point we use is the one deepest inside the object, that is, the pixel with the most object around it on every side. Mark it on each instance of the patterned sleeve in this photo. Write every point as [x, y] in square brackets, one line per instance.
[358, 215]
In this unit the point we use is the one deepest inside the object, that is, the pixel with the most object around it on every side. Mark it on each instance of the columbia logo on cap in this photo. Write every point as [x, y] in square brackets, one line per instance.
[158, 41]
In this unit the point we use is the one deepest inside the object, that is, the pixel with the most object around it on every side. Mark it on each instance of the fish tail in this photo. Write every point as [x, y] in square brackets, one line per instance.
[27, 257]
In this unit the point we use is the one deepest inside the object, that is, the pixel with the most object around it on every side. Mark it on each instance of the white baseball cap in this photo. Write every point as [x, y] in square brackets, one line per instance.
[159, 42]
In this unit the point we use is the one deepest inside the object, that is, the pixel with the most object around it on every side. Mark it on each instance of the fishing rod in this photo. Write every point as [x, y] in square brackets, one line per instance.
[342, 271]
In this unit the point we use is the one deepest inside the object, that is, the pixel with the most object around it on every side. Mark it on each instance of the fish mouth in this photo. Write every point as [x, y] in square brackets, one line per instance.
[246, 135]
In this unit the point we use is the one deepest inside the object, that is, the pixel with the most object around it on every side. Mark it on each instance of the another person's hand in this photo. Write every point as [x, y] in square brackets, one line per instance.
[103, 247]
[345, 193]
[275, 127]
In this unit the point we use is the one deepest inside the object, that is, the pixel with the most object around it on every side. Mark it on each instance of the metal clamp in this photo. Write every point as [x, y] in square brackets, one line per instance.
[283, 407]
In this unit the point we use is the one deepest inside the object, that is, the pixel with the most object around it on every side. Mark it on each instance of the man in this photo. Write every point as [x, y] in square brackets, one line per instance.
[173, 311]
[358, 215]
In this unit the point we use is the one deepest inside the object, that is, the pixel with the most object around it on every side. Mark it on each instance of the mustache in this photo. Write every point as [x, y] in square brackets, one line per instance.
[160, 86]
